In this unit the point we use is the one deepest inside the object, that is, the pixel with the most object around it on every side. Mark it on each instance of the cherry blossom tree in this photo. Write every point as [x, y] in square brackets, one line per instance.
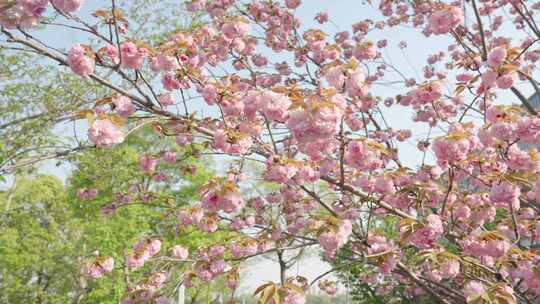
[465, 224]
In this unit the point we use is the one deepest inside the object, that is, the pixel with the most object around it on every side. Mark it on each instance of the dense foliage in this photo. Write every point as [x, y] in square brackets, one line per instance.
[48, 229]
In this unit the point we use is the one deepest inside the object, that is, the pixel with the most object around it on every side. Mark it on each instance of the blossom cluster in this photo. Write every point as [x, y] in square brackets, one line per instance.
[143, 250]
[314, 159]
[28, 13]
[99, 267]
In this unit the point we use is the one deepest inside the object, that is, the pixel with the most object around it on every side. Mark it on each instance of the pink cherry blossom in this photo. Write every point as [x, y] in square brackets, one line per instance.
[99, 267]
[24, 13]
[473, 289]
[356, 84]
[497, 56]
[274, 106]
[360, 155]
[316, 123]
[488, 78]
[444, 20]
[180, 252]
[237, 143]
[335, 77]
[233, 30]
[365, 51]
[132, 56]
[506, 81]
[226, 200]
[135, 262]
[450, 269]
[322, 17]
[163, 63]
[429, 234]
[148, 163]
[528, 130]
[67, 6]
[87, 193]
[504, 195]
[123, 106]
[80, 62]
[105, 134]
[154, 247]
[332, 241]
[292, 4]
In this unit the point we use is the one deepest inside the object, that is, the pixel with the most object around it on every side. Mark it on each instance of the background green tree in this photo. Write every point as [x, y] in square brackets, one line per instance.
[47, 230]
